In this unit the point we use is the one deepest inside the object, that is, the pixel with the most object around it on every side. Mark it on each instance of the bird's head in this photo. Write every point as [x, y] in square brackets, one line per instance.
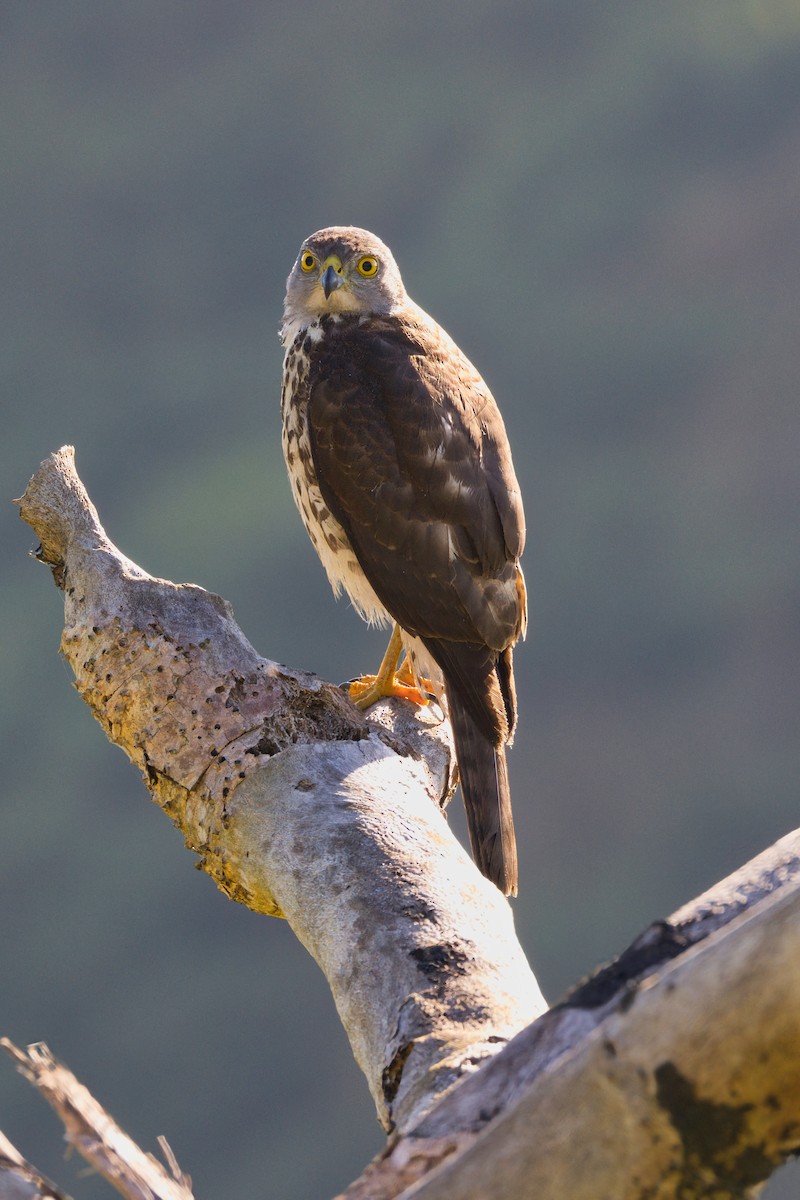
[342, 270]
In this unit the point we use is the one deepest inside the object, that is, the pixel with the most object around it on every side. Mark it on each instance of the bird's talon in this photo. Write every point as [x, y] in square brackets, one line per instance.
[356, 687]
[369, 689]
[412, 693]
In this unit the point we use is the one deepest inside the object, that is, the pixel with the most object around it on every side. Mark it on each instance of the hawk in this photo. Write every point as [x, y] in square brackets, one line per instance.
[401, 469]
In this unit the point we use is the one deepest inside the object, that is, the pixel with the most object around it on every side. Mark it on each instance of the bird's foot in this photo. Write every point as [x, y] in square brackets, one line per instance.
[415, 683]
[369, 689]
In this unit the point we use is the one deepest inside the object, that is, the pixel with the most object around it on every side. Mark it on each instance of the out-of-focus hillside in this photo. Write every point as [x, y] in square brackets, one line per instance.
[601, 203]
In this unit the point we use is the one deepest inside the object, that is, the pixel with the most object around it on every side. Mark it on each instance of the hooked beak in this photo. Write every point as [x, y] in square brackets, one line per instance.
[331, 280]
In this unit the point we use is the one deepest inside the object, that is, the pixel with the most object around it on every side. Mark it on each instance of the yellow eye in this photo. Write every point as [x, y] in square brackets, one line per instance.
[307, 261]
[367, 266]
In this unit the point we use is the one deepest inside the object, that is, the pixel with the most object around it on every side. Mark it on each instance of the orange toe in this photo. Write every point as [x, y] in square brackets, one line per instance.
[369, 689]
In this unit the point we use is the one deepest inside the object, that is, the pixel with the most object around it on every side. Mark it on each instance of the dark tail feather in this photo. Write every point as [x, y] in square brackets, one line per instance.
[505, 677]
[487, 799]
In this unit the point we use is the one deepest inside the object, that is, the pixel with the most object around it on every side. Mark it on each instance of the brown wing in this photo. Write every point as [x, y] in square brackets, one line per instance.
[412, 457]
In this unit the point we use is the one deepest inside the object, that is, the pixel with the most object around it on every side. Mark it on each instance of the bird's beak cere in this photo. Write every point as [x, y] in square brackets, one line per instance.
[331, 278]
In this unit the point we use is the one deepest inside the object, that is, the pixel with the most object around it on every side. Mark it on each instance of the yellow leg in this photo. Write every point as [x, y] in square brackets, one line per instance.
[388, 682]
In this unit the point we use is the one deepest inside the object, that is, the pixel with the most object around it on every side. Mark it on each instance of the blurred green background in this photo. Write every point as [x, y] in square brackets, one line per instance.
[601, 203]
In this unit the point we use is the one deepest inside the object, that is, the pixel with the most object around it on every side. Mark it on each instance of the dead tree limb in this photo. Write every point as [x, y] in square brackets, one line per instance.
[21, 1181]
[673, 1072]
[96, 1135]
[298, 807]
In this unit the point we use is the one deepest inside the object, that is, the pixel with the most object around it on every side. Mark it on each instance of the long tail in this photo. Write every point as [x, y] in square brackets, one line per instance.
[487, 800]
[480, 693]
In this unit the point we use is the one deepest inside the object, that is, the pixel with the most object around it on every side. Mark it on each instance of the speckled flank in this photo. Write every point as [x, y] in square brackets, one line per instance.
[327, 536]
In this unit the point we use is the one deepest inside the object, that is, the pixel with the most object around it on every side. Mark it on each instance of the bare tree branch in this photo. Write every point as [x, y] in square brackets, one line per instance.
[298, 807]
[95, 1134]
[674, 1072]
[19, 1180]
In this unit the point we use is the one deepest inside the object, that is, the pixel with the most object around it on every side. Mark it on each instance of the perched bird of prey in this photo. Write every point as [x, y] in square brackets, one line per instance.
[401, 469]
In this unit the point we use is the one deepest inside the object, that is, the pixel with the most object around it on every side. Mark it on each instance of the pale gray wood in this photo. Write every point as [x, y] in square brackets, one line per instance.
[298, 806]
[689, 1087]
[672, 1072]
[700, 1016]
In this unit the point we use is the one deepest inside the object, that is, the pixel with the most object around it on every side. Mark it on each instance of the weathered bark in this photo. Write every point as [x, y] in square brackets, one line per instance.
[298, 806]
[672, 1073]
